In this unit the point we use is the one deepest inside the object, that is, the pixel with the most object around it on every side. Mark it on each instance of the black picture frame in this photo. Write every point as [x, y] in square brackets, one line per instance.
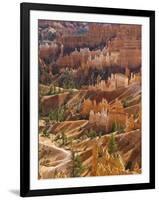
[25, 9]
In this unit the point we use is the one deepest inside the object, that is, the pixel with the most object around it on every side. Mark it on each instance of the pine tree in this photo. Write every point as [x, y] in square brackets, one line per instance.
[112, 146]
[78, 168]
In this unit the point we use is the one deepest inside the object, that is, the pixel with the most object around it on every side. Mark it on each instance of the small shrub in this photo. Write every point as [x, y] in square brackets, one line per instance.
[64, 138]
[57, 114]
[91, 134]
[45, 133]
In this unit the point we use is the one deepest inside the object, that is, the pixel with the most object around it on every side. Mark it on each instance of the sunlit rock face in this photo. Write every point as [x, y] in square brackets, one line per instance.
[88, 45]
[90, 91]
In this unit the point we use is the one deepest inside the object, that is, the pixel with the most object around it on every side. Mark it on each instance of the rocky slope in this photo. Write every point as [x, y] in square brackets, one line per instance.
[90, 95]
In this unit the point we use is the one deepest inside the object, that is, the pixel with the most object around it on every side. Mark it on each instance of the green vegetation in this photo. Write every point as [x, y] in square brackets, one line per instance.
[64, 138]
[78, 168]
[45, 133]
[112, 146]
[67, 80]
[57, 114]
[91, 133]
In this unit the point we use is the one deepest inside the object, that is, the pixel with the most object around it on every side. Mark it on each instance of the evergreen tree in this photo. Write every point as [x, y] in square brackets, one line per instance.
[77, 165]
[112, 146]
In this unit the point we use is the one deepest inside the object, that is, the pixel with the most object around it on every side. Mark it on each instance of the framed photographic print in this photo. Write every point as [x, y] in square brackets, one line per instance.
[87, 99]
